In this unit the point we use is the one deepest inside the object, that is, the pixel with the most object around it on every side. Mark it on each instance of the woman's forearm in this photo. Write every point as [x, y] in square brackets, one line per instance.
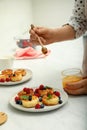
[64, 33]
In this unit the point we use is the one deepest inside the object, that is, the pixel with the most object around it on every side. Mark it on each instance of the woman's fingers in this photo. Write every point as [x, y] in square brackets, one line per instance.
[43, 40]
[34, 37]
[32, 33]
[77, 85]
[79, 91]
[77, 88]
[36, 30]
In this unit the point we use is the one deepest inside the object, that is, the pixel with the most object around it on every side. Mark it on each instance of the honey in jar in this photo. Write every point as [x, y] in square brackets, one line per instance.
[70, 76]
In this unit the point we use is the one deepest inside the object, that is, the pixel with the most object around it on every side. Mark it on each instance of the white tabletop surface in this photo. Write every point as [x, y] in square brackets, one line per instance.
[47, 71]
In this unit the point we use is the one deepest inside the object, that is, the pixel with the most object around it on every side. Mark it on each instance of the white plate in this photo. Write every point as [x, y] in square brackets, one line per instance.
[64, 98]
[25, 78]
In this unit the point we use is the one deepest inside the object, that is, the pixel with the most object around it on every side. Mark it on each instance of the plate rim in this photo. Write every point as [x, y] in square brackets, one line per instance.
[47, 108]
[27, 77]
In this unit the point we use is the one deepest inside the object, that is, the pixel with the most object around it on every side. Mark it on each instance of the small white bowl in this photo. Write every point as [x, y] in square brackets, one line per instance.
[6, 62]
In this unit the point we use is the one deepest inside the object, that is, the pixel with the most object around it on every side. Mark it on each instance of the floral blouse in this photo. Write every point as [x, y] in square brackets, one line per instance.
[78, 20]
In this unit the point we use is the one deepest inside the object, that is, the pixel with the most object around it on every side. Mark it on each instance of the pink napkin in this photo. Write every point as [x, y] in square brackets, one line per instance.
[29, 53]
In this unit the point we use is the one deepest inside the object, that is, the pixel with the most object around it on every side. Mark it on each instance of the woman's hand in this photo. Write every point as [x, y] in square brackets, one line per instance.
[50, 35]
[47, 35]
[77, 88]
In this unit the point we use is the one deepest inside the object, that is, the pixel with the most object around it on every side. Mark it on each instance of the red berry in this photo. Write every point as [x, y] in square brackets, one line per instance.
[37, 94]
[24, 89]
[17, 98]
[41, 87]
[2, 80]
[57, 93]
[7, 79]
[37, 106]
[27, 90]
[36, 90]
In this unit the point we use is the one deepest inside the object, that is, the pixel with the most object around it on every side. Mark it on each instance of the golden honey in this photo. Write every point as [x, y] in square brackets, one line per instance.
[71, 75]
[70, 79]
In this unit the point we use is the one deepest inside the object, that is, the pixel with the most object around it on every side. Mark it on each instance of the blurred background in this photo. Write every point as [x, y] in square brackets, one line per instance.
[17, 15]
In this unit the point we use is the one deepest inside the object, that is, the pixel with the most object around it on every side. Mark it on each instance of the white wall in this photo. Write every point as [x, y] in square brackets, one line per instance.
[51, 12]
[17, 15]
[15, 18]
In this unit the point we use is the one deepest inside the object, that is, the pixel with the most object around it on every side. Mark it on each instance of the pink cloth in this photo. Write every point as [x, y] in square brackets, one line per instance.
[29, 53]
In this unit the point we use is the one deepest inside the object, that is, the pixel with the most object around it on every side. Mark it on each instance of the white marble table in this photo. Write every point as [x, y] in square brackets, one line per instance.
[72, 116]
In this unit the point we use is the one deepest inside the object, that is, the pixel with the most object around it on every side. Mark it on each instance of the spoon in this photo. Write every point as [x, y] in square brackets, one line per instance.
[44, 49]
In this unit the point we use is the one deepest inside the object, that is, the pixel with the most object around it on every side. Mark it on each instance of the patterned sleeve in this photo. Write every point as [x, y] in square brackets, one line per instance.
[78, 19]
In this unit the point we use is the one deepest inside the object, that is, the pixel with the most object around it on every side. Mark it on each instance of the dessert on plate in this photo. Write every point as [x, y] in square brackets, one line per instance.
[16, 77]
[38, 97]
[12, 75]
[44, 90]
[26, 97]
[50, 99]
[7, 72]
[20, 71]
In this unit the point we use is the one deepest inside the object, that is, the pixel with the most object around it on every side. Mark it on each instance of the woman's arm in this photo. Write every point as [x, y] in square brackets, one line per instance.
[78, 20]
[76, 26]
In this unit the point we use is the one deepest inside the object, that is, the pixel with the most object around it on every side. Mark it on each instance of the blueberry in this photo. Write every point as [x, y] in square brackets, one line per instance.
[59, 98]
[40, 99]
[44, 88]
[13, 74]
[60, 101]
[19, 102]
[42, 106]
[30, 98]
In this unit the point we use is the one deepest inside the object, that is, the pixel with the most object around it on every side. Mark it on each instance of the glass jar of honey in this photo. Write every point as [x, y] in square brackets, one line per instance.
[71, 75]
